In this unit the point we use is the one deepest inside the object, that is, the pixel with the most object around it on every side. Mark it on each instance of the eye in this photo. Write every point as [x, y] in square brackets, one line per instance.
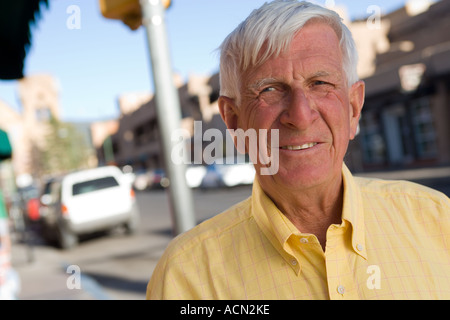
[322, 86]
[319, 83]
[268, 89]
[271, 94]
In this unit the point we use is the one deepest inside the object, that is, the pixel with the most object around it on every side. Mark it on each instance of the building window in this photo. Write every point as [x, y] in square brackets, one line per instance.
[423, 128]
[373, 144]
[398, 135]
[139, 135]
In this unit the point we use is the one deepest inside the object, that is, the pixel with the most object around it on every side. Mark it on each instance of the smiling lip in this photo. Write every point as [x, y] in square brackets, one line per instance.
[299, 147]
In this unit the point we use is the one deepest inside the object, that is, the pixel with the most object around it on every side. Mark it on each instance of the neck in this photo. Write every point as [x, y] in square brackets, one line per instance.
[311, 210]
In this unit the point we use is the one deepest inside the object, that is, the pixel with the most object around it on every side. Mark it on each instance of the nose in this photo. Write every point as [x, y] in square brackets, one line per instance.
[299, 112]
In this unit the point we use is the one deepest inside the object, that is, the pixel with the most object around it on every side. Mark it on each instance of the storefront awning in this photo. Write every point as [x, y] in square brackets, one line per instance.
[16, 18]
[5, 146]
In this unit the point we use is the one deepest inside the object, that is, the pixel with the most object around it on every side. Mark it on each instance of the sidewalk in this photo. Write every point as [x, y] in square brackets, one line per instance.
[410, 174]
[48, 280]
[46, 273]
[436, 178]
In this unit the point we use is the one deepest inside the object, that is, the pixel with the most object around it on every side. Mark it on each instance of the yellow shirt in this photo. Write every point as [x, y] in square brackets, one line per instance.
[393, 243]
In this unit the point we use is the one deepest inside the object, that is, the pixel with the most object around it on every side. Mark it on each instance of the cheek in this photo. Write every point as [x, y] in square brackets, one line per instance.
[257, 117]
[337, 117]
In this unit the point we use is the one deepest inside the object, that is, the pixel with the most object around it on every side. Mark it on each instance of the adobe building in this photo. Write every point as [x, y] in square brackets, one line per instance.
[39, 98]
[405, 63]
[137, 142]
[406, 68]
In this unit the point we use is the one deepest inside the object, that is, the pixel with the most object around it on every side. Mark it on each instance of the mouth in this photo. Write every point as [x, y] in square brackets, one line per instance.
[302, 147]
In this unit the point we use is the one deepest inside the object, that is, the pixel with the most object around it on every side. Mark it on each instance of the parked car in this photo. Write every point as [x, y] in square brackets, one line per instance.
[238, 174]
[150, 179]
[87, 201]
[141, 181]
[26, 196]
[195, 175]
[158, 179]
[213, 177]
[228, 175]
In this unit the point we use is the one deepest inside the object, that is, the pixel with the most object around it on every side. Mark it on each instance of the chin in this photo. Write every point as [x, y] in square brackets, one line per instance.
[297, 179]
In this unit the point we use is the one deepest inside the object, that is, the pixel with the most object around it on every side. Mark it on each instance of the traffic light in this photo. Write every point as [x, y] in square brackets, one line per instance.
[129, 11]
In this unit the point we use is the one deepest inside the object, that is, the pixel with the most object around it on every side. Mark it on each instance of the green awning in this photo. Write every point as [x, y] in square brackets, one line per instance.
[5, 146]
[16, 17]
[3, 213]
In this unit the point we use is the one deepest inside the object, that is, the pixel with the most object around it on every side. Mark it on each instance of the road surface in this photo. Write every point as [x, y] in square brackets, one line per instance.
[113, 265]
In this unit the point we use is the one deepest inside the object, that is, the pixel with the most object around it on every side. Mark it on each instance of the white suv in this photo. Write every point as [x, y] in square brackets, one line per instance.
[87, 201]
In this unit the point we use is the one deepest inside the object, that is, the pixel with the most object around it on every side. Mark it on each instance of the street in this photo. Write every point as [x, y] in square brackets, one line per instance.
[112, 266]
[116, 266]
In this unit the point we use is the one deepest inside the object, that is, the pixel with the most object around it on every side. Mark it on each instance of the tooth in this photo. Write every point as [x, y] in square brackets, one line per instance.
[305, 146]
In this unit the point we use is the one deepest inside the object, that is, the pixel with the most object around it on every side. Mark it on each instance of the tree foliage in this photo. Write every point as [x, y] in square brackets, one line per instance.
[65, 150]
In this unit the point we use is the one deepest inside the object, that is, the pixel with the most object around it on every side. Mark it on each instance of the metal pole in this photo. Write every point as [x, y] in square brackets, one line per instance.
[168, 112]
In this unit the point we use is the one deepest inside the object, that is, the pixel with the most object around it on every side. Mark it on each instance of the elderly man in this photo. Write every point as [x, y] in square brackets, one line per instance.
[310, 230]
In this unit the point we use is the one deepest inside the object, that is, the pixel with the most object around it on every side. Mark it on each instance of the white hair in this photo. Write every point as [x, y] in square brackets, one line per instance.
[273, 26]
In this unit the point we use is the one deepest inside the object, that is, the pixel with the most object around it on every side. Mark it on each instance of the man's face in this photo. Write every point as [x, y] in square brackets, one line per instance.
[304, 94]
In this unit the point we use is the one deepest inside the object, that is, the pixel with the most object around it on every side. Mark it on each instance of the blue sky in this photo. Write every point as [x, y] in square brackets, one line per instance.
[103, 59]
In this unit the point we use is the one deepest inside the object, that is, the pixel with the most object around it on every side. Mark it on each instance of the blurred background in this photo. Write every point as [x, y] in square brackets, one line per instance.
[79, 95]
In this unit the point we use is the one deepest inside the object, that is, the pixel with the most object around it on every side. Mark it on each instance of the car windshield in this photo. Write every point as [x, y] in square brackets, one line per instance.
[94, 185]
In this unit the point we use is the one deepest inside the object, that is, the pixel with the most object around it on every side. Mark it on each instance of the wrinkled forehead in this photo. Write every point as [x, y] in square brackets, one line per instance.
[271, 46]
[314, 50]
[314, 39]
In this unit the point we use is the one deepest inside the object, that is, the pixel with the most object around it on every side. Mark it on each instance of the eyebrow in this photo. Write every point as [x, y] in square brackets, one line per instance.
[319, 74]
[265, 81]
[262, 82]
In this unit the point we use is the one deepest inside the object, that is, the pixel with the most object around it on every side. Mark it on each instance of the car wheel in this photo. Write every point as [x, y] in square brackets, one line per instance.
[66, 239]
[132, 225]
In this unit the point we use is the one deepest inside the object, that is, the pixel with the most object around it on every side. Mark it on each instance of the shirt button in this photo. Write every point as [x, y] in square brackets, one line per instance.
[304, 240]
[294, 262]
[341, 289]
[359, 247]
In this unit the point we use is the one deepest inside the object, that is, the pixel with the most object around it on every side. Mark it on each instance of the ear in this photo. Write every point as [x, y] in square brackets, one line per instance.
[357, 93]
[229, 112]
[230, 115]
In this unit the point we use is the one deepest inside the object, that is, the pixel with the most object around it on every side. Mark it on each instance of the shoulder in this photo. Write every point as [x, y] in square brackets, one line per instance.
[184, 265]
[403, 193]
[215, 227]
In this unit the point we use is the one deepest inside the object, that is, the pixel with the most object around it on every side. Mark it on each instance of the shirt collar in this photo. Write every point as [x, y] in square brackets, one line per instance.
[275, 226]
[278, 229]
[353, 211]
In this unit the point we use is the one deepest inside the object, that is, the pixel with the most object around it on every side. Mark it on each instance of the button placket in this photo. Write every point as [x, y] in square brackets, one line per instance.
[339, 275]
